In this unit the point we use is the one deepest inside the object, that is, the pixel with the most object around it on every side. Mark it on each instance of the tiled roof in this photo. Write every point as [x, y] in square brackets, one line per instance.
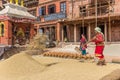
[13, 10]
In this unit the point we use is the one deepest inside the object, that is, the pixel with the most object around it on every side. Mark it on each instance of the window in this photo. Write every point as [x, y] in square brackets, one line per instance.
[51, 9]
[42, 11]
[83, 11]
[63, 7]
[1, 29]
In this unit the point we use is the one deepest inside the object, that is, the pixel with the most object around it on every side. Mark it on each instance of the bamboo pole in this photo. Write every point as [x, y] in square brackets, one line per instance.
[72, 8]
[75, 29]
[109, 22]
[82, 18]
[96, 13]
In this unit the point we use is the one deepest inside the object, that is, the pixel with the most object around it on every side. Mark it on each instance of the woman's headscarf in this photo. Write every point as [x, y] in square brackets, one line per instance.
[98, 29]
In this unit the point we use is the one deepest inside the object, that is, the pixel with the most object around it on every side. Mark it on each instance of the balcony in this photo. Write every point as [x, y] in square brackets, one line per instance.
[101, 11]
[100, 2]
[54, 16]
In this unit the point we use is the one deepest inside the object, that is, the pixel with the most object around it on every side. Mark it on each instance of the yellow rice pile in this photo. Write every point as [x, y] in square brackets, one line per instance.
[24, 67]
[19, 65]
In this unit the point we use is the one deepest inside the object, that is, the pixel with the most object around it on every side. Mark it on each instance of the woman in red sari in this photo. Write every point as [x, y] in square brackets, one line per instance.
[99, 42]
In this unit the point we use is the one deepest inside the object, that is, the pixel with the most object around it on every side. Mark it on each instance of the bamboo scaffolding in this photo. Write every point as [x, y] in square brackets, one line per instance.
[83, 17]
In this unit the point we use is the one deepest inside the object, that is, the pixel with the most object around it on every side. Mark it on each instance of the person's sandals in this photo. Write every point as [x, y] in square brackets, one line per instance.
[101, 62]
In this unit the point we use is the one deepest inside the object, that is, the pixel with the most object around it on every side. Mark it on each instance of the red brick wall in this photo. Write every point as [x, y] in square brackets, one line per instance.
[78, 3]
[48, 23]
[57, 3]
[117, 6]
[115, 30]
[75, 8]
[7, 36]
[9, 33]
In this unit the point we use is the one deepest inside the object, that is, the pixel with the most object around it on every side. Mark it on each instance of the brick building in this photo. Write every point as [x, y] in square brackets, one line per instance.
[32, 6]
[82, 18]
[68, 19]
[14, 17]
[50, 12]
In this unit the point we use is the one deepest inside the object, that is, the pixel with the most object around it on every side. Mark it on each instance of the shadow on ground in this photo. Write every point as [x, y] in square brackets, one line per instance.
[51, 64]
[115, 75]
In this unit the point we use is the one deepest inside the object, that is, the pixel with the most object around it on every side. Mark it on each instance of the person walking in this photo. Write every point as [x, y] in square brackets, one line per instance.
[99, 42]
[83, 45]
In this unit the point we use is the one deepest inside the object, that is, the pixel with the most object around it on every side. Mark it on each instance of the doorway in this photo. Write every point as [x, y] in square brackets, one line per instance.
[83, 30]
[41, 30]
[65, 33]
[102, 28]
[52, 33]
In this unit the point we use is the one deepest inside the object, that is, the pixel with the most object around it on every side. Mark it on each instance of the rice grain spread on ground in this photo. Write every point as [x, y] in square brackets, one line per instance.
[24, 67]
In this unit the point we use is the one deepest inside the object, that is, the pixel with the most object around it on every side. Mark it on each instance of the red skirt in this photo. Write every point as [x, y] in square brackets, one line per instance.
[99, 52]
